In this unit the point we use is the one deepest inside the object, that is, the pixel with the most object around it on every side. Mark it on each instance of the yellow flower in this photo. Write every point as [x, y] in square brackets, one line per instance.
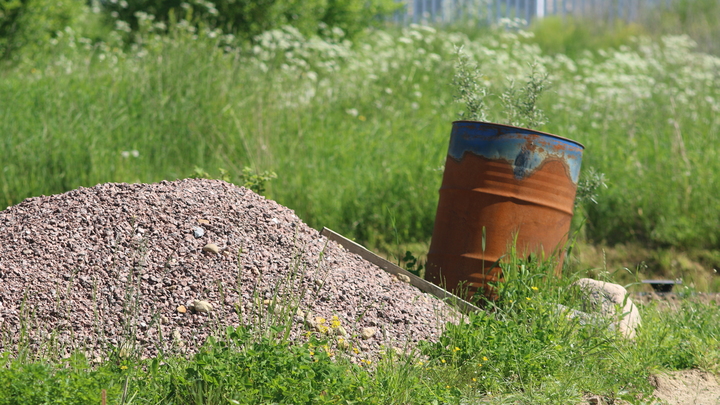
[320, 320]
[485, 358]
[312, 353]
[447, 386]
[479, 364]
[534, 288]
[474, 379]
[456, 348]
[123, 367]
[420, 363]
[442, 360]
[528, 298]
[356, 350]
[362, 118]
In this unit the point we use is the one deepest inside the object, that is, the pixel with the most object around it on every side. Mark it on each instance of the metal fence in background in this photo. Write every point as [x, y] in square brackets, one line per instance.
[492, 11]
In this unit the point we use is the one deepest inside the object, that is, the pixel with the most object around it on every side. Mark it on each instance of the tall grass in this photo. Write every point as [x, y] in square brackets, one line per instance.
[357, 133]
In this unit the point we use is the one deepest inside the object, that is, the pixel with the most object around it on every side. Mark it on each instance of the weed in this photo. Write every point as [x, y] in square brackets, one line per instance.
[470, 92]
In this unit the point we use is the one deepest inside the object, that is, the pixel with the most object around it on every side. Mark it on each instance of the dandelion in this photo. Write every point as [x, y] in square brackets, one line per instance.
[479, 364]
[485, 358]
[356, 350]
[442, 360]
[474, 379]
[534, 288]
[335, 323]
[456, 349]
[528, 298]
[123, 367]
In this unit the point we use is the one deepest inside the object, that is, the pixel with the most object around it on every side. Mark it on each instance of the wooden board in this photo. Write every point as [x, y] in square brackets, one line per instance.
[392, 268]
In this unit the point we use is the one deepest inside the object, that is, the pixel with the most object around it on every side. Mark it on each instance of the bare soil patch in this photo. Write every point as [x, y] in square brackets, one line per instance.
[687, 387]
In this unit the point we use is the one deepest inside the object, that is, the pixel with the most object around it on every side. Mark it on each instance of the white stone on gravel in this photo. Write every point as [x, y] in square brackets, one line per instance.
[367, 333]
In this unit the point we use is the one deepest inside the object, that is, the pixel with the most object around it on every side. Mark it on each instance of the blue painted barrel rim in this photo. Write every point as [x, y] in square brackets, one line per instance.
[522, 148]
[526, 130]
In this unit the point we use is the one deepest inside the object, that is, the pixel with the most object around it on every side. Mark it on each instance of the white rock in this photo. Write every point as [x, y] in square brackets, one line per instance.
[367, 333]
[211, 248]
[202, 306]
[612, 302]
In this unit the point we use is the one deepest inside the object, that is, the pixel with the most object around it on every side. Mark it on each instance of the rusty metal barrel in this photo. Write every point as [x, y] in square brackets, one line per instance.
[501, 184]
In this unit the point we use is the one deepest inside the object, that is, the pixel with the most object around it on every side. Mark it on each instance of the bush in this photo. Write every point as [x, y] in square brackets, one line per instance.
[249, 18]
[26, 23]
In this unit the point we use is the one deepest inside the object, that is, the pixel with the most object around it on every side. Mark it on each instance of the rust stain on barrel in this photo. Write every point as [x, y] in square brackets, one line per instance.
[522, 187]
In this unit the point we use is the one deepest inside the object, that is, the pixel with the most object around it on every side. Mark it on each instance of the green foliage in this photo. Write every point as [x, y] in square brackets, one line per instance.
[467, 81]
[524, 340]
[588, 187]
[249, 18]
[32, 23]
[72, 381]
[520, 104]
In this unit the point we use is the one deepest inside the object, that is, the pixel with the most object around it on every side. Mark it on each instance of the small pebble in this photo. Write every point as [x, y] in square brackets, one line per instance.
[202, 306]
[181, 309]
[212, 248]
[198, 232]
[402, 277]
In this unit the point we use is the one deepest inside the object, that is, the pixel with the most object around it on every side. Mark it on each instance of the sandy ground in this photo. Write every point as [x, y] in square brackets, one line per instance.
[687, 387]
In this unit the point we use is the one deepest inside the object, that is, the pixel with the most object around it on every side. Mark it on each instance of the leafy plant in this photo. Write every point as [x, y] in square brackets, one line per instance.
[32, 23]
[412, 264]
[469, 90]
[519, 104]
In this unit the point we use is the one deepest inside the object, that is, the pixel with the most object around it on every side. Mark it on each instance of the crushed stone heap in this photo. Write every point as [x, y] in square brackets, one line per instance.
[160, 267]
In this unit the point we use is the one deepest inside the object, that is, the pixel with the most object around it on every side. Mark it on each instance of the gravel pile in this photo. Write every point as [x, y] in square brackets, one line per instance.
[160, 267]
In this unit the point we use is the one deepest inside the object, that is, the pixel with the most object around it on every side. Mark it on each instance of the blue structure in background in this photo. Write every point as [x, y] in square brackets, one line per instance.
[492, 11]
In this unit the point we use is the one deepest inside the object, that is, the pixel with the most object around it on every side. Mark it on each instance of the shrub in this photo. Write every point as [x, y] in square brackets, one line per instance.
[249, 18]
[26, 23]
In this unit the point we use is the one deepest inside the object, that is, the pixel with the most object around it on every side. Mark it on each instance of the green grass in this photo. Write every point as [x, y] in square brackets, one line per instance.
[358, 134]
[521, 350]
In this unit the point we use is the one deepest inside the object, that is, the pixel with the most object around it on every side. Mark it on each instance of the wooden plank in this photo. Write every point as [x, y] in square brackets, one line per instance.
[392, 268]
